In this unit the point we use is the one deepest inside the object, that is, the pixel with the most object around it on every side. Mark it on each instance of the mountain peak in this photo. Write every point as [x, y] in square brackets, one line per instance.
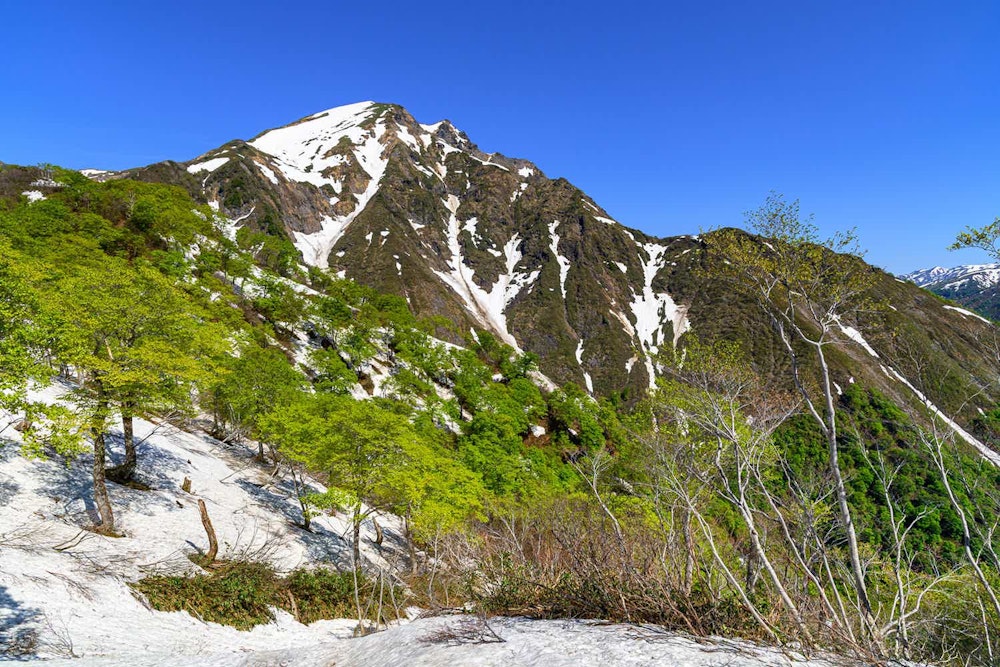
[981, 275]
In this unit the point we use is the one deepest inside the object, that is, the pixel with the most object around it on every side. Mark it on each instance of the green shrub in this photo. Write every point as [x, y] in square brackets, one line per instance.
[244, 594]
[240, 594]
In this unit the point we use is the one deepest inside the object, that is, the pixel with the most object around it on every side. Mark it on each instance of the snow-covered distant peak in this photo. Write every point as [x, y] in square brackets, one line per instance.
[982, 275]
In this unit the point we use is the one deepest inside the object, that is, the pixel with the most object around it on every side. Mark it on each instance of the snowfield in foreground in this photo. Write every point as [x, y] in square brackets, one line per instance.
[68, 587]
[518, 643]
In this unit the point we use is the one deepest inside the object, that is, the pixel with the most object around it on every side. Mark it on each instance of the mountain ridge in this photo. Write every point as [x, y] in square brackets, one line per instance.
[369, 193]
[489, 242]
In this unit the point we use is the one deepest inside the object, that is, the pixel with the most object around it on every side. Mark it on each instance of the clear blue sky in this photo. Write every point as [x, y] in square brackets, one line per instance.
[674, 116]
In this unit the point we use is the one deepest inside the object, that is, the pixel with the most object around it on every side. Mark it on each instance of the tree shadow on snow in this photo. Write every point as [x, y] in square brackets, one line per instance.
[321, 543]
[8, 486]
[19, 632]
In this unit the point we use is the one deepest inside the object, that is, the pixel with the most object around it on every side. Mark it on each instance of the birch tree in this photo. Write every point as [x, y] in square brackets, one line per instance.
[810, 289]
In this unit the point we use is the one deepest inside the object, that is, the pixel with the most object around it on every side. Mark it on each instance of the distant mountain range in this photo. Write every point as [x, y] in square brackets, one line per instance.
[975, 286]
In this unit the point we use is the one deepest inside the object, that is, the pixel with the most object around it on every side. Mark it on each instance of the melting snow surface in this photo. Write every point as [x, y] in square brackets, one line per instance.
[487, 306]
[33, 195]
[79, 595]
[523, 643]
[653, 310]
[564, 263]
[208, 165]
[963, 311]
[304, 150]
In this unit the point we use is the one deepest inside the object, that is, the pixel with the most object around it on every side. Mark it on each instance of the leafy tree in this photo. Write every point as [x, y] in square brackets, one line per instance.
[138, 345]
[363, 447]
[985, 238]
[332, 374]
[258, 381]
[18, 328]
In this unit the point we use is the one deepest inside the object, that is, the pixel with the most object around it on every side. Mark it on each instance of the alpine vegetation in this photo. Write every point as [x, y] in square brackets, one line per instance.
[307, 386]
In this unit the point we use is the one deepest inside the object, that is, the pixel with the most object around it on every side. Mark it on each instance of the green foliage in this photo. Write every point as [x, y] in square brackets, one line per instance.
[242, 594]
[19, 332]
[53, 428]
[984, 238]
[274, 252]
[279, 302]
[323, 593]
[878, 425]
[332, 374]
[251, 385]
[136, 336]
[575, 416]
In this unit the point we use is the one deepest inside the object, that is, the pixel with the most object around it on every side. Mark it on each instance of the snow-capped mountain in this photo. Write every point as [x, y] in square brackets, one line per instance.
[484, 240]
[980, 275]
[976, 286]
[490, 242]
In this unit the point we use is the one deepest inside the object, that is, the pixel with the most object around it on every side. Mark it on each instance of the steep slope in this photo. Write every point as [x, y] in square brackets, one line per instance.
[490, 242]
[481, 239]
[976, 286]
[64, 591]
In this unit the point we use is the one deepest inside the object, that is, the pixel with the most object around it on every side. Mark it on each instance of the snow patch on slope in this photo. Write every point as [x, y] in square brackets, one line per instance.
[305, 150]
[963, 311]
[653, 310]
[80, 591]
[208, 165]
[579, 359]
[270, 175]
[486, 306]
[987, 453]
[564, 263]
[525, 643]
[856, 336]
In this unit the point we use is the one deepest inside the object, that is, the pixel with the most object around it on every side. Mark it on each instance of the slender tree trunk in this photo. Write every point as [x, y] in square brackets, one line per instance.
[689, 560]
[799, 555]
[301, 495]
[213, 543]
[938, 455]
[356, 545]
[842, 503]
[126, 470]
[101, 498]
[128, 430]
[786, 599]
[731, 578]
[356, 553]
